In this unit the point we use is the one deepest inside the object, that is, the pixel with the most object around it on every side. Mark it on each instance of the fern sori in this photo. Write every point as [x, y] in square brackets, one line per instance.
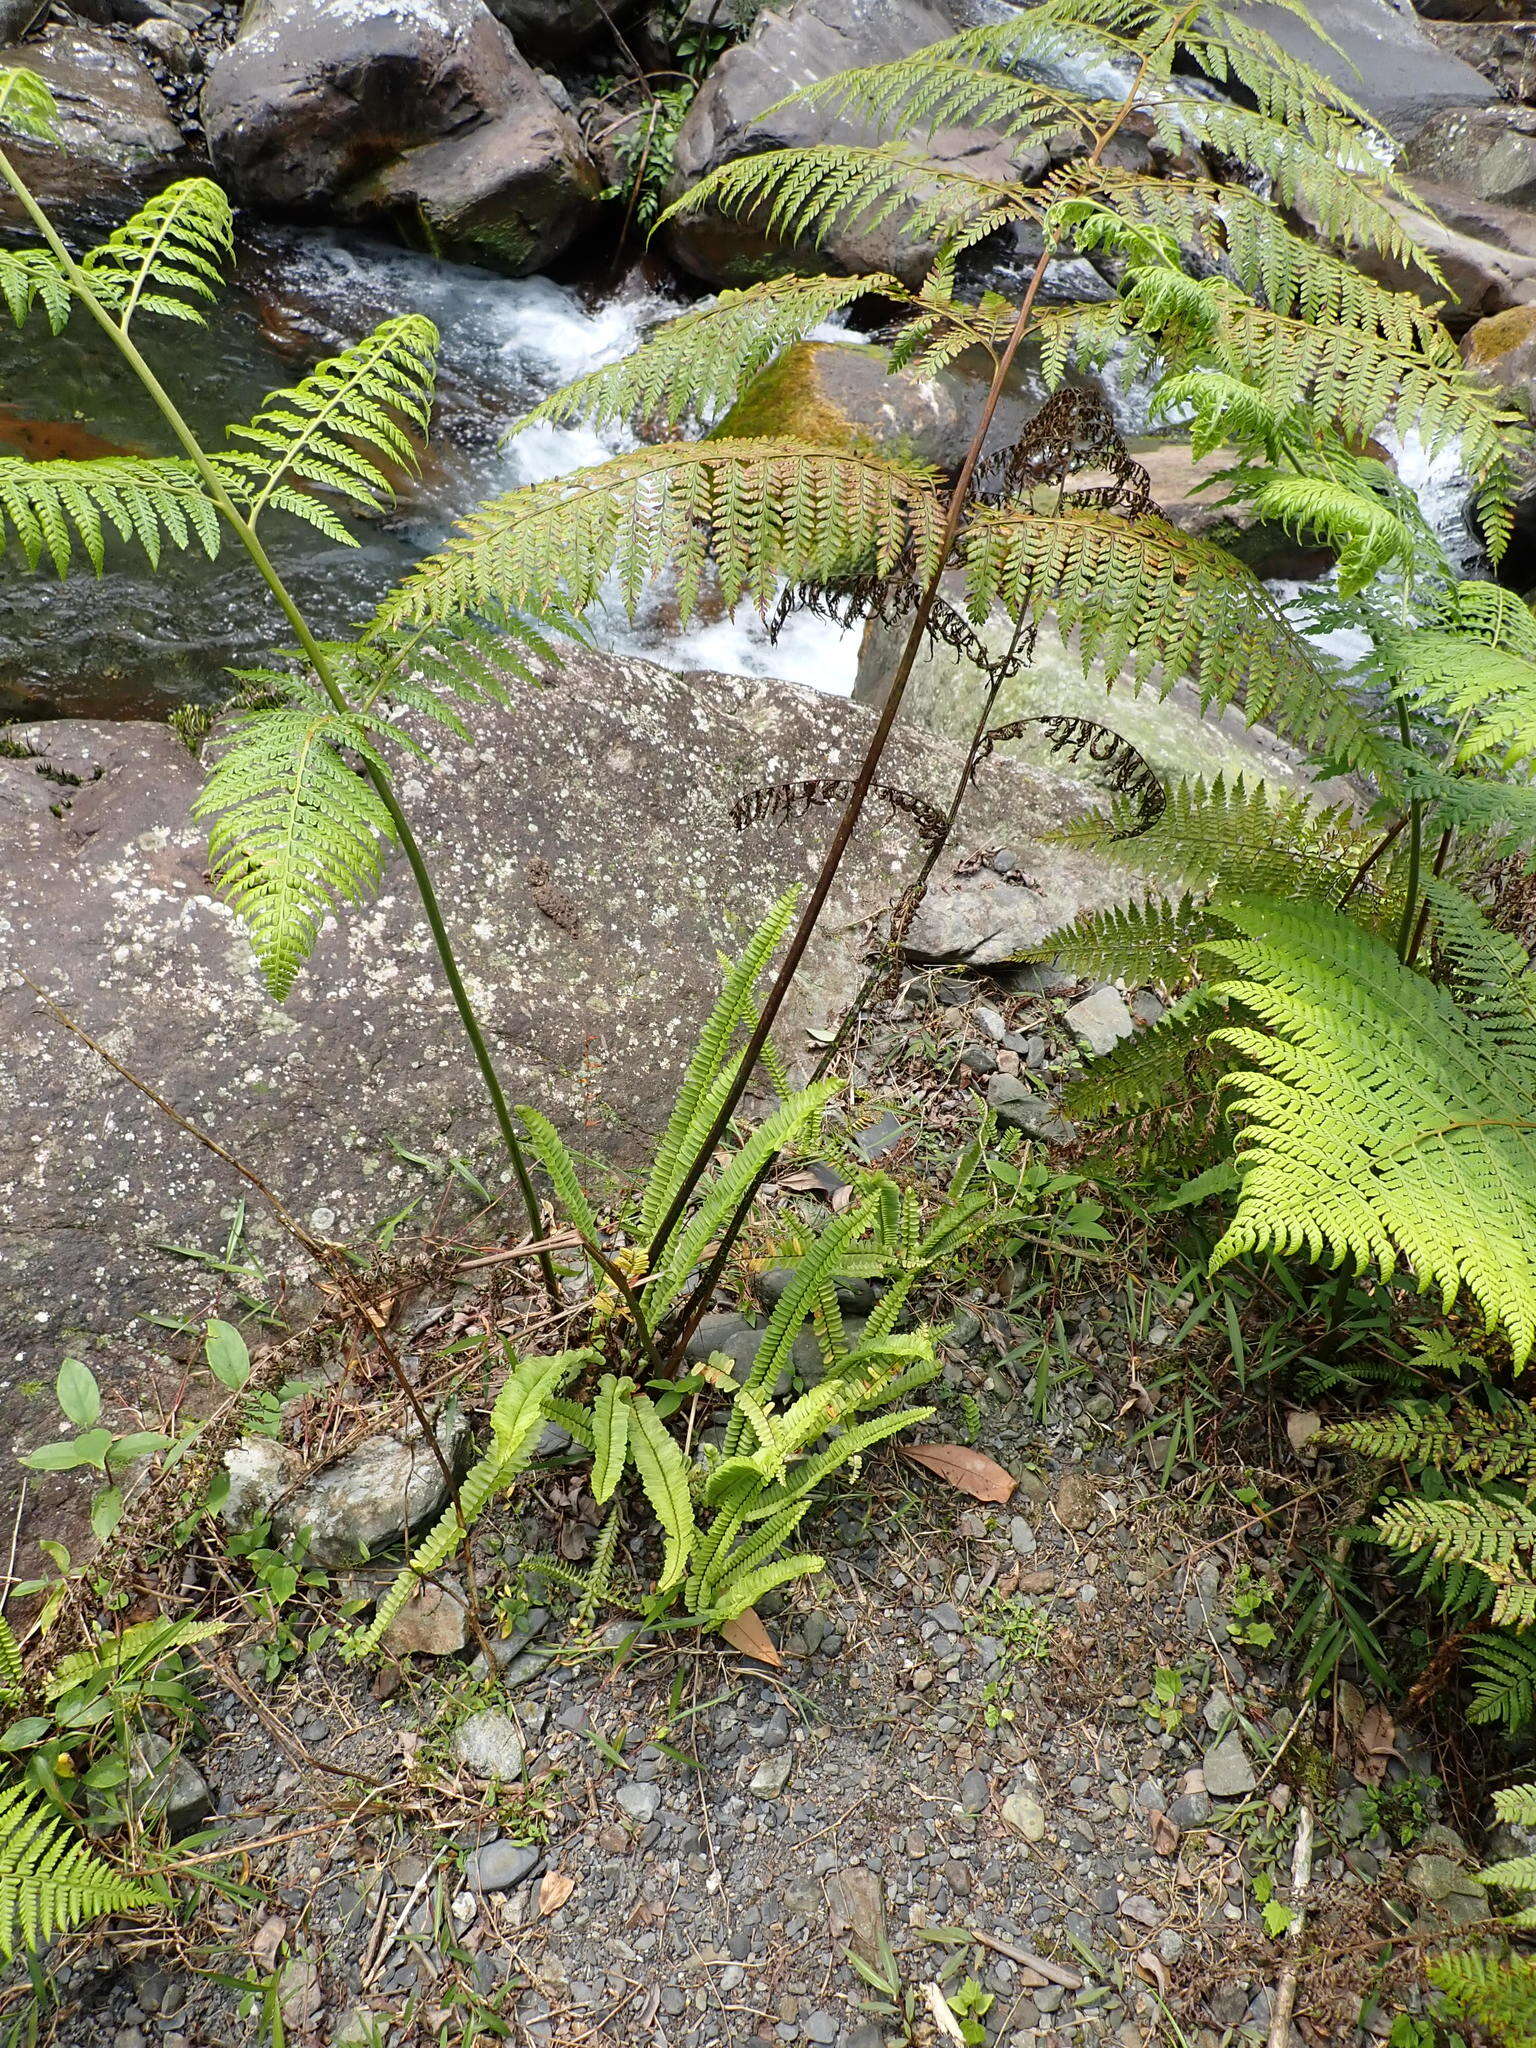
[49, 1880]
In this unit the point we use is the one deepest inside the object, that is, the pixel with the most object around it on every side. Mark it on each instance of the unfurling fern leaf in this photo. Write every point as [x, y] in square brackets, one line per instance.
[340, 430]
[171, 254]
[49, 1880]
[1379, 1123]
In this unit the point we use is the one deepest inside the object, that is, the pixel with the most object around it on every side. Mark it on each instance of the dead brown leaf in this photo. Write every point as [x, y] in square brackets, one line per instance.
[554, 1889]
[1375, 1744]
[266, 1942]
[747, 1634]
[968, 1471]
[1165, 1835]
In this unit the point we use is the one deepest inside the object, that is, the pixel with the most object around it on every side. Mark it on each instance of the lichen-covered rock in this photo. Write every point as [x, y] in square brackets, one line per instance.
[1502, 350]
[434, 1622]
[117, 141]
[421, 115]
[369, 1499]
[107, 905]
[844, 395]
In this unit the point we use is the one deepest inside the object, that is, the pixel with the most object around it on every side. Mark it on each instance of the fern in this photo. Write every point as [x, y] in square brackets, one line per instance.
[518, 1416]
[1425, 1435]
[27, 107]
[13, 1677]
[170, 255]
[1490, 1538]
[760, 511]
[49, 1880]
[1496, 1992]
[47, 508]
[1504, 1674]
[332, 431]
[1379, 1122]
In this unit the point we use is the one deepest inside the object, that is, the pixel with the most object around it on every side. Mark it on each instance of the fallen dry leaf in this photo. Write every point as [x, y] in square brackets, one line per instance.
[747, 1634]
[1154, 1969]
[968, 1471]
[1301, 1425]
[554, 1889]
[266, 1942]
[1165, 1835]
[1375, 1744]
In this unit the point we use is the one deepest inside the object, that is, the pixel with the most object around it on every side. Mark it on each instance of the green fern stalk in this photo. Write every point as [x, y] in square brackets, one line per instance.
[116, 331]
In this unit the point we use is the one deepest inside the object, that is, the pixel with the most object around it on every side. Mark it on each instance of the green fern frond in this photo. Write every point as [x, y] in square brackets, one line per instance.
[27, 106]
[1493, 1538]
[610, 1434]
[1379, 1122]
[518, 1416]
[1427, 1436]
[30, 277]
[340, 429]
[667, 1478]
[1503, 1668]
[47, 507]
[695, 367]
[49, 1880]
[549, 1148]
[171, 254]
[1515, 1806]
[1142, 597]
[762, 511]
[804, 196]
[1495, 1992]
[1156, 940]
[295, 830]
[1148, 1068]
[13, 1677]
[691, 1116]
[1492, 689]
[1366, 535]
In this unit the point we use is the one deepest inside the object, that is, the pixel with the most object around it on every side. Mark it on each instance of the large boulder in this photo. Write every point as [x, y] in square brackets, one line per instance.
[786, 50]
[558, 28]
[422, 116]
[1486, 252]
[117, 141]
[1488, 152]
[1380, 56]
[593, 970]
[844, 395]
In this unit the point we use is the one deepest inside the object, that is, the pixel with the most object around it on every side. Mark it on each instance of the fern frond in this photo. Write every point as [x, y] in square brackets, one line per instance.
[1379, 1122]
[518, 1416]
[46, 507]
[171, 254]
[1464, 1440]
[49, 1880]
[695, 367]
[667, 1478]
[1155, 940]
[1493, 689]
[1495, 1992]
[691, 1118]
[806, 195]
[1366, 535]
[332, 431]
[1504, 1680]
[549, 1148]
[1149, 1068]
[13, 1677]
[27, 106]
[1493, 1538]
[1142, 597]
[1515, 1805]
[762, 511]
[295, 830]
[30, 277]
[610, 1434]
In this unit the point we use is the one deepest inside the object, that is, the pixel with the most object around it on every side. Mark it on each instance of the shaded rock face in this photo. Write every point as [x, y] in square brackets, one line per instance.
[1387, 63]
[785, 51]
[117, 143]
[423, 116]
[617, 774]
[1486, 251]
[1489, 152]
[840, 394]
[556, 28]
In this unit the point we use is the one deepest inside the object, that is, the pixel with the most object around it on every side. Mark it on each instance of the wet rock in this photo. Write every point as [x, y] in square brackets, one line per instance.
[488, 1745]
[1099, 1020]
[16, 17]
[117, 141]
[1228, 1771]
[432, 1623]
[1380, 57]
[1486, 251]
[1023, 1812]
[843, 395]
[500, 1865]
[1502, 350]
[1487, 151]
[730, 118]
[367, 1500]
[557, 28]
[422, 115]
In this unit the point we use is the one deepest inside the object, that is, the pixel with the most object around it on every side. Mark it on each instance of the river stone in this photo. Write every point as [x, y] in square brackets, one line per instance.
[1228, 1772]
[117, 140]
[730, 118]
[1502, 350]
[369, 1499]
[845, 395]
[1379, 56]
[163, 1784]
[1023, 1812]
[488, 1745]
[501, 1865]
[1487, 151]
[421, 115]
[1099, 1020]
[1487, 252]
[107, 905]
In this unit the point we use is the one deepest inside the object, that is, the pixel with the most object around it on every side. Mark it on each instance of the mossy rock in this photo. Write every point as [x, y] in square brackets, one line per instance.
[1502, 350]
[840, 394]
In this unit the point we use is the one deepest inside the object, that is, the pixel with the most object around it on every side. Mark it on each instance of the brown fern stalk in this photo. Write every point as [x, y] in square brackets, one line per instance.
[869, 767]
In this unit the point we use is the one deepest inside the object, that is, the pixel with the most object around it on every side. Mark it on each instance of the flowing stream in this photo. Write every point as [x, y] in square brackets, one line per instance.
[135, 643]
